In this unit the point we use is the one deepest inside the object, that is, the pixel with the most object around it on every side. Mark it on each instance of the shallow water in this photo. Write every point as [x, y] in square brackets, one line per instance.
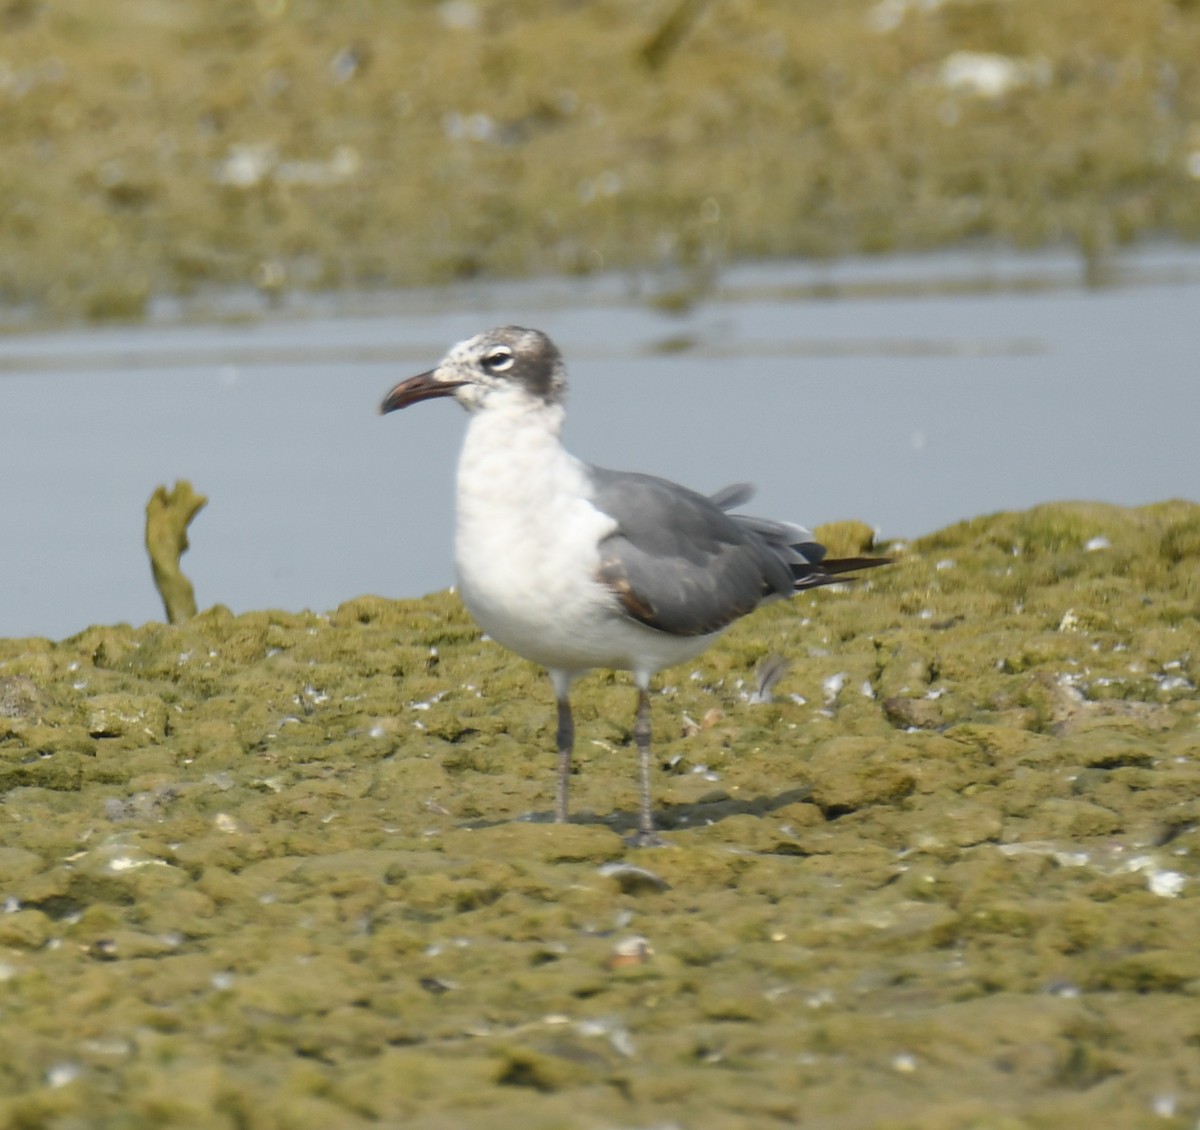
[908, 393]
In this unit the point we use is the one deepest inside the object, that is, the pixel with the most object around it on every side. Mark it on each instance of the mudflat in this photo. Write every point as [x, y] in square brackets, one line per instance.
[150, 147]
[289, 869]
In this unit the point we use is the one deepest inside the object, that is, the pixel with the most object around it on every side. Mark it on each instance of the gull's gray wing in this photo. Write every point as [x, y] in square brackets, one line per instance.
[677, 562]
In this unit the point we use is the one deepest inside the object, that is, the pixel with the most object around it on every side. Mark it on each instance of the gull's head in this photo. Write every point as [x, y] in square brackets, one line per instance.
[508, 364]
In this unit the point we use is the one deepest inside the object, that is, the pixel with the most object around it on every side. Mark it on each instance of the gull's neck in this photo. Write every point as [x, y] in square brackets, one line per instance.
[513, 456]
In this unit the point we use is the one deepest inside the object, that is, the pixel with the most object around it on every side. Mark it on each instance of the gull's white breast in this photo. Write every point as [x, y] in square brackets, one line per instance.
[527, 550]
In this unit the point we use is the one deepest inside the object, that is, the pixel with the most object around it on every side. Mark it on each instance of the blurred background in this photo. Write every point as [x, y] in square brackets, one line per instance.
[158, 147]
[906, 261]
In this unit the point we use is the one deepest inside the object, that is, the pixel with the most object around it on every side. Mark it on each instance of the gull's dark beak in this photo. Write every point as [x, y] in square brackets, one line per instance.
[426, 386]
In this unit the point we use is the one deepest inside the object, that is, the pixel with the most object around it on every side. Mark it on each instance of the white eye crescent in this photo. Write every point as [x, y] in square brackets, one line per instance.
[498, 359]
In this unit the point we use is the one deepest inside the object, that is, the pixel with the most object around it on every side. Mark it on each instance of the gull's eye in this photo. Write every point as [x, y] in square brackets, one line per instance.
[498, 359]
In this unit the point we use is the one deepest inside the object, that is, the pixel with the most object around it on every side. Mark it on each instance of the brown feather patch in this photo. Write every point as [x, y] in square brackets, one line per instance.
[611, 574]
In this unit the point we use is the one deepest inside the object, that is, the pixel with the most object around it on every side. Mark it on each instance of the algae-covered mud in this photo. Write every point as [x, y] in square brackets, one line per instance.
[291, 870]
[153, 147]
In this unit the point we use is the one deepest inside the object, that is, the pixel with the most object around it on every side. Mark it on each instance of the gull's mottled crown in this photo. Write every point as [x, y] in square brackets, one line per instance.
[513, 354]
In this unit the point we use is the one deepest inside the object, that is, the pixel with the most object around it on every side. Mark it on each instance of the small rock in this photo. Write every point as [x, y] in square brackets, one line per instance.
[21, 698]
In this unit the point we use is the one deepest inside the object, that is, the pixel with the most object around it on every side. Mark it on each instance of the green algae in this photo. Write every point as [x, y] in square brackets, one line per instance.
[287, 869]
[154, 147]
[168, 515]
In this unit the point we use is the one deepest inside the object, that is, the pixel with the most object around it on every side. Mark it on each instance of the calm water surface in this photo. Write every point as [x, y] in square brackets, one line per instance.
[908, 393]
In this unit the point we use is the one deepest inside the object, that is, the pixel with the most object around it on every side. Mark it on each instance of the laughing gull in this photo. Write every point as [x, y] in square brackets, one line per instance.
[574, 566]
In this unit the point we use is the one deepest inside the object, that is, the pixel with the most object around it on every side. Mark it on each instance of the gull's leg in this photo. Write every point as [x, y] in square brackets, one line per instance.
[646, 836]
[564, 740]
[566, 743]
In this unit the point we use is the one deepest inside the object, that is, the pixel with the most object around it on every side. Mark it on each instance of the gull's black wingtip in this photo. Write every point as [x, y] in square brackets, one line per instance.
[853, 564]
[834, 570]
